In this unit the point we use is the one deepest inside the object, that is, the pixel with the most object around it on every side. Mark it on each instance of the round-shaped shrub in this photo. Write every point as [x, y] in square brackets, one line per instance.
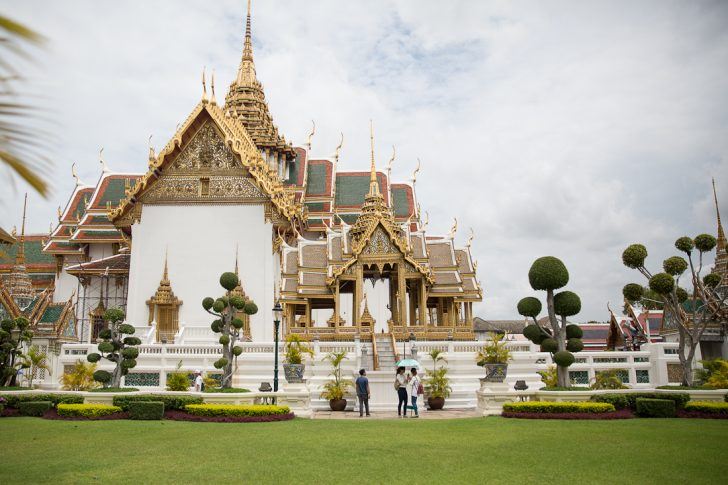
[126, 329]
[574, 345]
[549, 345]
[220, 363]
[251, 308]
[705, 242]
[130, 353]
[633, 292]
[675, 265]
[237, 301]
[681, 294]
[102, 376]
[574, 331]
[237, 350]
[662, 283]
[532, 332]
[132, 341]
[215, 326]
[114, 315]
[207, 302]
[634, 256]
[105, 334]
[567, 303]
[529, 307]
[93, 357]
[7, 325]
[711, 280]
[128, 363]
[684, 244]
[224, 339]
[106, 347]
[548, 273]
[218, 306]
[237, 323]
[229, 280]
[564, 358]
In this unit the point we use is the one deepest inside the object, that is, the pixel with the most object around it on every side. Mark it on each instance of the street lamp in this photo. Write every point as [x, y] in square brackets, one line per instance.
[277, 314]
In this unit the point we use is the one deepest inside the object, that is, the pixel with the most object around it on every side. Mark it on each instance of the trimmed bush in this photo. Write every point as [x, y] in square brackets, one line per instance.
[564, 358]
[213, 410]
[574, 345]
[34, 408]
[567, 303]
[574, 331]
[146, 410]
[634, 256]
[655, 408]
[13, 400]
[633, 292]
[549, 345]
[629, 400]
[86, 410]
[170, 401]
[548, 273]
[662, 283]
[529, 307]
[557, 407]
[707, 407]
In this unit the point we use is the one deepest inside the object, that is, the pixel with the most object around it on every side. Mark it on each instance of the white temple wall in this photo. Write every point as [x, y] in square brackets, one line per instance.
[100, 250]
[201, 241]
[65, 283]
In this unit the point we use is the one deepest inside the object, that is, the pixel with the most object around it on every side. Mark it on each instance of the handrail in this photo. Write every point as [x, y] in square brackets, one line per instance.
[375, 356]
[394, 348]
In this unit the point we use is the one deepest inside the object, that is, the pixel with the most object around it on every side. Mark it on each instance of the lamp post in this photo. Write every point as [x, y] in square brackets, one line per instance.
[277, 312]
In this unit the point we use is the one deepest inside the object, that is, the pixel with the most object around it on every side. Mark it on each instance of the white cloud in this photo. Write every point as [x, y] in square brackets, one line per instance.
[560, 128]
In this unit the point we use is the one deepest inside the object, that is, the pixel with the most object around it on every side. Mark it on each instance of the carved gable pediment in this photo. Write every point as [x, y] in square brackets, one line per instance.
[205, 153]
[380, 243]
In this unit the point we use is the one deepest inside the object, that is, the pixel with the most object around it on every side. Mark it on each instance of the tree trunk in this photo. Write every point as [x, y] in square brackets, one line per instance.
[562, 373]
[227, 373]
[686, 345]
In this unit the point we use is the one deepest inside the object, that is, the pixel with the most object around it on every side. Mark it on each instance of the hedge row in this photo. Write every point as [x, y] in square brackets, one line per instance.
[655, 408]
[146, 410]
[170, 401]
[707, 407]
[34, 408]
[12, 400]
[86, 410]
[557, 407]
[629, 401]
[212, 410]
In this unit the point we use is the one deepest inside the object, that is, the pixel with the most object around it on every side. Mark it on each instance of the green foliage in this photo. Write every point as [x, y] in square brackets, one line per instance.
[229, 280]
[337, 387]
[711, 280]
[632, 292]
[574, 331]
[238, 323]
[34, 408]
[178, 380]
[251, 308]
[495, 351]
[707, 407]
[114, 315]
[662, 283]
[534, 333]
[93, 357]
[675, 265]
[34, 361]
[655, 408]
[567, 303]
[14, 334]
[13, 400]
[87, 410]
[549, 376]
[634, 256]
[220, 363]
[115, 346]
[105, 333]
[681, 294]
[211, 410]
[106, 347]
[81, 378]
[549, 345]
[218, 306]
[174, 402]
[207, 303]
[704, 243]
[128, 363]
[126, 329]
[224, 339]
[146, 410]
[622, 401]
[715, 373]
[132, 341]
[548, 273]
[237, 350]
[557, 407]
[237, 301]
[608, 379]
[574, 345]
[216, 326]
[102, 376]
[684, 244]
[437, 383]
[130, 353]
[529, 306]
[296, 348]
[563, 358]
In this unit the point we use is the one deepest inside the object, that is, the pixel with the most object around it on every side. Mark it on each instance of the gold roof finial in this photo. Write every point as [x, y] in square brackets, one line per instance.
[454, 228]
[152, 155]
[165, 275]
[338, 148]
[391, 161]
[248, 47]
[427, 221]
[74, 174]
[373, 184]
[204, 85]
[417, 170]
[20, 255]
[60, 213]
[212, 88]
[721, 234]
[310, 135]
[470, 239]
[104, 167]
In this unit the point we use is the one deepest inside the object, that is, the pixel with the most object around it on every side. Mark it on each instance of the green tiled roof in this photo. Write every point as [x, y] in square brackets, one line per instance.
[315, 222]
[352, 188]
[97, 219]
[401, 202]
[316, 182]
[52, 313]
[33, 254]
[80, 208]
[315, 206]
[114, 192]
[349, 218]
[293, 173]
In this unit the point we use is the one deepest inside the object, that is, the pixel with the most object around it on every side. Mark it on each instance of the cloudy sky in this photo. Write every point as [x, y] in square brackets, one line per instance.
[551, 128]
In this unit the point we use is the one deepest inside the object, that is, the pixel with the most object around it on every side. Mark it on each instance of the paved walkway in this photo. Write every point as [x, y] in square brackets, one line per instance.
[424, 414]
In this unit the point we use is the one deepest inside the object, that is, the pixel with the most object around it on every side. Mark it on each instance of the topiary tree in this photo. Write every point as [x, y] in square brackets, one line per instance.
[14, 333]
[561, 340]
[228, 324]
[689, 311]
[115, 347]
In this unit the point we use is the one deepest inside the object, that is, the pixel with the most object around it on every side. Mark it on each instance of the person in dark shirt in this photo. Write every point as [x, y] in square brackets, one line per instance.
[362, 392]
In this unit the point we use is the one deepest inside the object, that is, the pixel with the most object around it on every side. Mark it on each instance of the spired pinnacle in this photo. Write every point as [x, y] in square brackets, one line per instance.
[721, 240]
[373, 184]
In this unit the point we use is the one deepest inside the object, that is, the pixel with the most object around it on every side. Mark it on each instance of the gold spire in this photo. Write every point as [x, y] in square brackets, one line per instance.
[373, 184]
[18, 282]
[721, 234]
[20, 255]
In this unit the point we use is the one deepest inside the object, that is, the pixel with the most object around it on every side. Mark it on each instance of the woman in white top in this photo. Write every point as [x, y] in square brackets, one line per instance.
[415, 382]
[400, 383]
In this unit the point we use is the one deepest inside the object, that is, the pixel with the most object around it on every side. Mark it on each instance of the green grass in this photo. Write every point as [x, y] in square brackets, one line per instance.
[479, 450]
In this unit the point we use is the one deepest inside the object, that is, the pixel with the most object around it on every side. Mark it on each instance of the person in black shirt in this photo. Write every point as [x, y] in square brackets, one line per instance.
[362, 392]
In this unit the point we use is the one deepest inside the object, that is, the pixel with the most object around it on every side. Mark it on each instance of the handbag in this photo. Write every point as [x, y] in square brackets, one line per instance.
[396, 384]
[420, 389]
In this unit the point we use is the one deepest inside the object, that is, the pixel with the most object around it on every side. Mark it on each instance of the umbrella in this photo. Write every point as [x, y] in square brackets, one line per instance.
[408, 363]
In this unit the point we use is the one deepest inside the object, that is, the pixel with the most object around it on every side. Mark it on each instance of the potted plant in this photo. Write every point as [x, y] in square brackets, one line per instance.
[336, 389]
[494, 358]
[293, 365]
[437, 384]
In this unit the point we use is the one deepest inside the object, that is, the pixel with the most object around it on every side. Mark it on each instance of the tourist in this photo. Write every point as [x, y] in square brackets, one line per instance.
[198, 381]
[400, 384]
[362, 392]
[416, 390]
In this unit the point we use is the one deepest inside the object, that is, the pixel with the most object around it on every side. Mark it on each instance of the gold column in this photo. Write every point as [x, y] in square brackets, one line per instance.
[402, 290]
[309, 323]
[337, 308]
[358, 295]
[440, 313]
[423, 302]
[469, 313]
[393, 300]
[412, 313]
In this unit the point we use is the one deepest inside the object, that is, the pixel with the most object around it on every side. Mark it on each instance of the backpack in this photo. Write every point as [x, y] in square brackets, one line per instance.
[420, 389]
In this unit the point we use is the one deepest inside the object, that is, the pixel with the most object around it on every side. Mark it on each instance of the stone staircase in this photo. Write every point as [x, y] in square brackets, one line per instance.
[385, 352]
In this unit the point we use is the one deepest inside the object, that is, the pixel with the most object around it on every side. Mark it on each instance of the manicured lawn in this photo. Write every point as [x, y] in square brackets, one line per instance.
[492, 450]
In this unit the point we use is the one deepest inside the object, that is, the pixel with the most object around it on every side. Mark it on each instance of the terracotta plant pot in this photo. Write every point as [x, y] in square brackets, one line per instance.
[294, 372]
[337, 404]
[436, 403]
[495, 372]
